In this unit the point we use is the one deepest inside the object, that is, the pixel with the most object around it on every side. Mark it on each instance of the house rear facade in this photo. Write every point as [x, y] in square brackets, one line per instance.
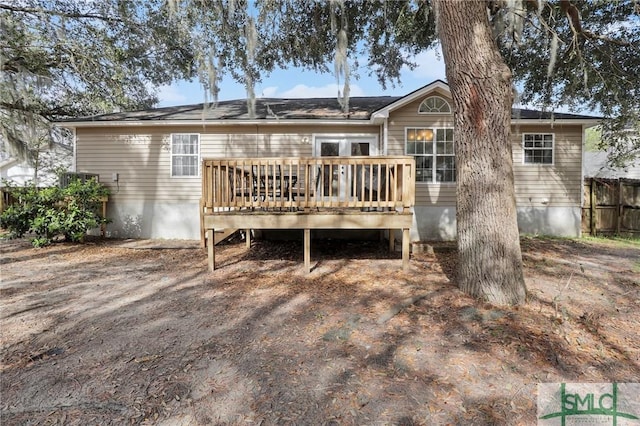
[151, 160]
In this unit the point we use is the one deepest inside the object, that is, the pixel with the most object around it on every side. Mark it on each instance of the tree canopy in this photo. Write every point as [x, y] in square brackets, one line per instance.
[581, 54]
[69, 58]
[64, 58]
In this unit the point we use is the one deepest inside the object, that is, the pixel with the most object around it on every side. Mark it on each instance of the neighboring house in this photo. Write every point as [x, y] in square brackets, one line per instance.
[15, 171]
[151, 159]
[595, 165]
[21, 173]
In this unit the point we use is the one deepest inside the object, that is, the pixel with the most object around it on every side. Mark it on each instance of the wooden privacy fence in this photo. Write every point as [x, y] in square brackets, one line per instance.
[6, 199]
[611, 206]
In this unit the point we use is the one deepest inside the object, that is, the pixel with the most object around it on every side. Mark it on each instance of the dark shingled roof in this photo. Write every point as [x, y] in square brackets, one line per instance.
[360, 108]
[531, 114]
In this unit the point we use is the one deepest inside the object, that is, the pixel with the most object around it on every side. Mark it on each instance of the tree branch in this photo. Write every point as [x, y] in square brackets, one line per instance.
[573, 16]
[33, 10]
[48, 113]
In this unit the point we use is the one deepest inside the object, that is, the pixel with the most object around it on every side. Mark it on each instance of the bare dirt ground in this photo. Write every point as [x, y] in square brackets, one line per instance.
[111, 332]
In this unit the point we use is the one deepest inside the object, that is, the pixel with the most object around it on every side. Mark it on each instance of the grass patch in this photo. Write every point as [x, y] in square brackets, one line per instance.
[617, 241]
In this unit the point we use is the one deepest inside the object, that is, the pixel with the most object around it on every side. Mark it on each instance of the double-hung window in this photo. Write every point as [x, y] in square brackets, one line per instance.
[433, 150]
[538, 148]
[185, 154]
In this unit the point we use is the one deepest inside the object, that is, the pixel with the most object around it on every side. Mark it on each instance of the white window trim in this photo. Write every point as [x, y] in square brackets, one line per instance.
[437, 112]
[372, 138]
[553, 149]
[171, 155]
[434, 155]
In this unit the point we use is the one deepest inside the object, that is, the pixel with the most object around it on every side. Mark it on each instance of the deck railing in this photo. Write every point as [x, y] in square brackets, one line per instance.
[303, 183]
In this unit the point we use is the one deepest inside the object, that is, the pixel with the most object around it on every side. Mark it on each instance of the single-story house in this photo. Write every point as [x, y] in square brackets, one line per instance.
[154, 163]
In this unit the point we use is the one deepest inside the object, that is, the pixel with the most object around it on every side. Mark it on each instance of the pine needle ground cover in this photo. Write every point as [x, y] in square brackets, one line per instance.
[125, 332]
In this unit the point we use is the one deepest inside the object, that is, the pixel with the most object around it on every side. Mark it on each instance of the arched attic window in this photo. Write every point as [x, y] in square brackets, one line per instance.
[434, 105]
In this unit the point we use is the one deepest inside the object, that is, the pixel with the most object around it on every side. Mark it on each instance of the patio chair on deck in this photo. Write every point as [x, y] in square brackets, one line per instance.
[373, 178]
[239, 182]
[265, 182]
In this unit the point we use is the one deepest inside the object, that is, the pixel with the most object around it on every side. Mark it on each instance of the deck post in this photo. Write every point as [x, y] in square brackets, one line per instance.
[247, 237]
[593, 225]
[307, 250]
[392, 240]
[405, 249]
[203, 242]
[211, 251]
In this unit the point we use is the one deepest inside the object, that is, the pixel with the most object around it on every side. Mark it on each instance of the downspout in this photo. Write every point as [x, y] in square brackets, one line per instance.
[385, 135]
[584, 145]
[74, 160]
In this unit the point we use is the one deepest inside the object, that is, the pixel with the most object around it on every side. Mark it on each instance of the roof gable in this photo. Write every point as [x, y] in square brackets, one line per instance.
[438, 85]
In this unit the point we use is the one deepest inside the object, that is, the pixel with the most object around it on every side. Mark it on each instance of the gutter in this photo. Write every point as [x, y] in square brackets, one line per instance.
[213, 123]
[586, 122]
[376, 119]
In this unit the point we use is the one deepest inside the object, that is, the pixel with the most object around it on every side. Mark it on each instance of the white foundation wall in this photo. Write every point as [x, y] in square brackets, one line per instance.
[433, 223]
[555, 221]
[147, 219]
[154, 219]
[439, 223]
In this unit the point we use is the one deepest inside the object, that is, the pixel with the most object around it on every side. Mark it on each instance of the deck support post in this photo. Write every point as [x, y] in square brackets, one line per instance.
[247, 237]
[203, 240]
[307, 250]
[392, 240]
[252, 221]
[211, 250]
[405, 249]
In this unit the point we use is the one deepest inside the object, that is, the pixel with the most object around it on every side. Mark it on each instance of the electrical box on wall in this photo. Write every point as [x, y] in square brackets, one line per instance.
[114, 177]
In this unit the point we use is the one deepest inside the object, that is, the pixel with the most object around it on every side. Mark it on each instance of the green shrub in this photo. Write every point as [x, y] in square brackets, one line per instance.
[51, 212]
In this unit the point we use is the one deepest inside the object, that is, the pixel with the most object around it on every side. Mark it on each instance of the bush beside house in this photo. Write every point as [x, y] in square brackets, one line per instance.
[51, 213]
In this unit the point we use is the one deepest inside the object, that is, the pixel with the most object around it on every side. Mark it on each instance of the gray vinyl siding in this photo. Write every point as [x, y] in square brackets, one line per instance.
[141, 155]
[427, 194]
[537, 185]
[557, 185]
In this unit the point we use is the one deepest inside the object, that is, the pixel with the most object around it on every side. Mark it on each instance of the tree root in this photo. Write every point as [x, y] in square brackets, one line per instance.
[395, 309]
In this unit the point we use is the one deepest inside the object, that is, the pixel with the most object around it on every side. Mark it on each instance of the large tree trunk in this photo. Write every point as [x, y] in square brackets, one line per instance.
[490, 260]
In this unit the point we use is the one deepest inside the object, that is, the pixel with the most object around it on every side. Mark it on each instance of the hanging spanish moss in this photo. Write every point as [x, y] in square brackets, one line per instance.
[173, 6]
[211, 84]
[251, 45]
[25, 133]
[516, 13]
[341, 63]
[231, 9]
[553, 55]
[508, 18]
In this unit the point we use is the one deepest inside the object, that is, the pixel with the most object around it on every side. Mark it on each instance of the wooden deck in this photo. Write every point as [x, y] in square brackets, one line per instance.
[307, 193]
